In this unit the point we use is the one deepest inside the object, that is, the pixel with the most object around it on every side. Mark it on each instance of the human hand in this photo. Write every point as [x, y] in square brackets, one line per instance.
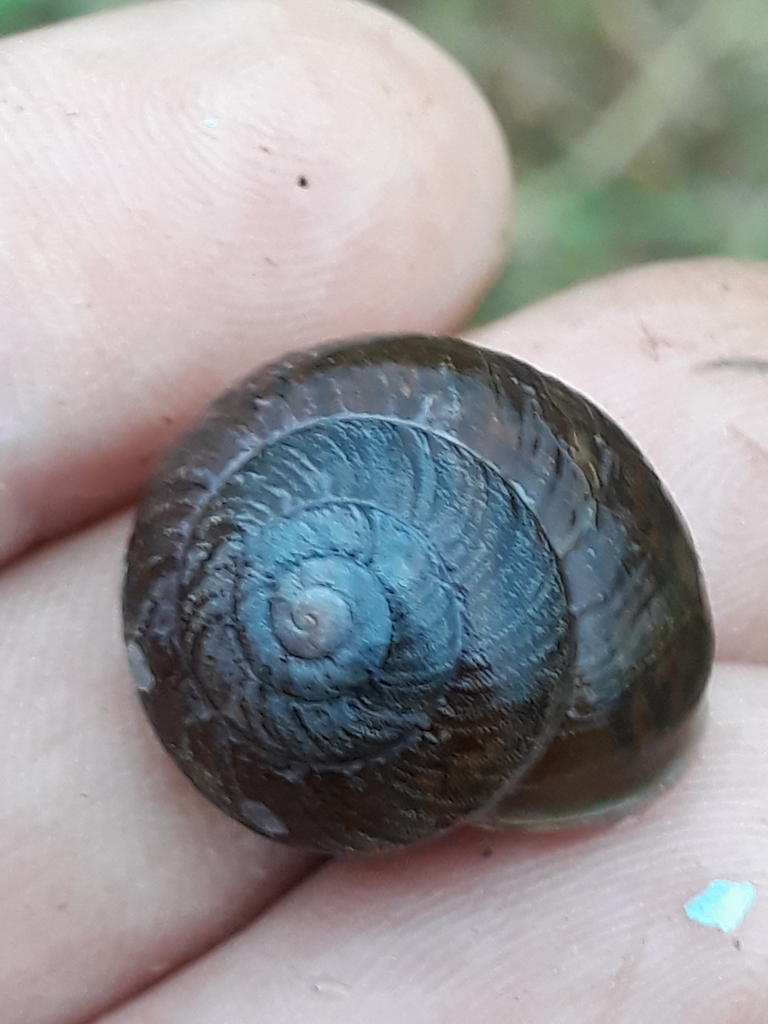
[189, 190]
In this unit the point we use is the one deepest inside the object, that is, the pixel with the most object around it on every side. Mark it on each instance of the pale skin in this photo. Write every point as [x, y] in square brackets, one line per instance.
[187, 191]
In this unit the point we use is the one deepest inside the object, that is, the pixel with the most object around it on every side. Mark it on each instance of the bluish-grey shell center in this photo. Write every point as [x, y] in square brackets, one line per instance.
[328, 603]
[366, 570]
[314, 620]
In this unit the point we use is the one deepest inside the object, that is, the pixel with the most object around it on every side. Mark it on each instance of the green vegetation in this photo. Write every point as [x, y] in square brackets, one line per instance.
[639, 127]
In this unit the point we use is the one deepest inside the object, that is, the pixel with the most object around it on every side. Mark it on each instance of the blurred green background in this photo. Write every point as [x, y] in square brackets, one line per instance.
[639, 127]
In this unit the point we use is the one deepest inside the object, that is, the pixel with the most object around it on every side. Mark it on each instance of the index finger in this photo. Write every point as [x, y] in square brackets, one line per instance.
[188, 190]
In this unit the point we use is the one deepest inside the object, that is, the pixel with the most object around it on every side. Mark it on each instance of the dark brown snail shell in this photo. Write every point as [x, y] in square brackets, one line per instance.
[404, 582]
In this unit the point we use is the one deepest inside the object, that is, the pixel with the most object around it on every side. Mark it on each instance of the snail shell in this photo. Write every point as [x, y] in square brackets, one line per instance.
[400, 583]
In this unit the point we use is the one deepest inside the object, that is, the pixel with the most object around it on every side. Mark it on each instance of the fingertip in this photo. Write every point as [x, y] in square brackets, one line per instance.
[192, 188]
